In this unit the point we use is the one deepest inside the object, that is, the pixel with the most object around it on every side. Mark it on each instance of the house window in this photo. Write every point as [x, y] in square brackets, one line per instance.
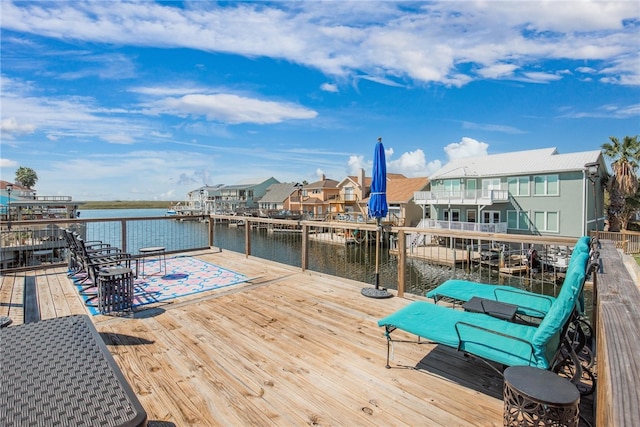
[452, 215]
[470, 189]
[517, 220]
[490, 217]
[518, 186]
[546, 221]
[394, 211]
[452, 187]
[471, 215]
[488, 185]
[546, 185]
[349, 194]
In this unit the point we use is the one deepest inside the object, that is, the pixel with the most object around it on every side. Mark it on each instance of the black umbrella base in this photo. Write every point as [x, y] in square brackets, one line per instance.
[376, 293]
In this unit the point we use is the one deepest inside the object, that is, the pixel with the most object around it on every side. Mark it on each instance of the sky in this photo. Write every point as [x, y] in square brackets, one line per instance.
[146, 100]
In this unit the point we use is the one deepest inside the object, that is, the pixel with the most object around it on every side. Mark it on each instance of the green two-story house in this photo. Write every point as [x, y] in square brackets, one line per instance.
[536, 192]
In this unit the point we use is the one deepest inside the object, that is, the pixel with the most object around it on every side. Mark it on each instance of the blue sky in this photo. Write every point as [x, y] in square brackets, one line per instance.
[148, 100]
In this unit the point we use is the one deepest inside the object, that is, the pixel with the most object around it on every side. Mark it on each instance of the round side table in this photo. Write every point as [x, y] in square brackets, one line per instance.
[536, 397]
[115, 289]
[159, 252]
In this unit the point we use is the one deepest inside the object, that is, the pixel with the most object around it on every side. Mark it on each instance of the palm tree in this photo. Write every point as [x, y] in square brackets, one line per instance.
[631, 207]
[624, 182]
[26, 177]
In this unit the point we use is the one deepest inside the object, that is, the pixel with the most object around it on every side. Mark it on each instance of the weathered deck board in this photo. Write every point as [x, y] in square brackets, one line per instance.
[288, 348]
[618, 344]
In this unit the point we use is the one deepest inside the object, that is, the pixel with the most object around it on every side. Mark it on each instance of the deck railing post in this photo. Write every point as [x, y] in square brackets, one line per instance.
[402, 261]
[212, 222]
[305, 247]
[247, 238]
[123, 236]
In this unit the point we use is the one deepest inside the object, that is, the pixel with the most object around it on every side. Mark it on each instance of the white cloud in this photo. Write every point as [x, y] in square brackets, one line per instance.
[161, 135]
[492, 127]
[380, 40]
[329, 87]
[355, 163]
[410, 164]
[467, 147]
[7, 163]
[607, 111]
[10, 127]
[586, 70]
[541, 77]
[498, 70]
[229, 108]
[119, 138]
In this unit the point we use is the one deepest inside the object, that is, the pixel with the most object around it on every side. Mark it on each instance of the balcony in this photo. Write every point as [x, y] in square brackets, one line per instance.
[497, 227]
[467, 197]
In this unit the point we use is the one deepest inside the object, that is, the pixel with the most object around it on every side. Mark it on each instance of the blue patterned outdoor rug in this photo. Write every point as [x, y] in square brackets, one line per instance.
[184, 275]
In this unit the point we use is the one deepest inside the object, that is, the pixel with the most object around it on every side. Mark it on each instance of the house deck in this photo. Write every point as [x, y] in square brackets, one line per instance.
[287, 348]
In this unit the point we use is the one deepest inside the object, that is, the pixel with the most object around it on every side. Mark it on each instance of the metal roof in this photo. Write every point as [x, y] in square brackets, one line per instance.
[278, 193]
[546, 160]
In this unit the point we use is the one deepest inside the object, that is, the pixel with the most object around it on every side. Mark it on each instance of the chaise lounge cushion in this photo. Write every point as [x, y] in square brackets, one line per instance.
[450, 327]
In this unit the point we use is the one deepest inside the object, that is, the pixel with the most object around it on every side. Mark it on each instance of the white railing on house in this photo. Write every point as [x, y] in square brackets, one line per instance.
[461, 197]
[497, 227]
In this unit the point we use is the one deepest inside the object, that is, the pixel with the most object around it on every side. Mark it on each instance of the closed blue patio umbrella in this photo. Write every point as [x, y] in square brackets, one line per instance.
[378, 209]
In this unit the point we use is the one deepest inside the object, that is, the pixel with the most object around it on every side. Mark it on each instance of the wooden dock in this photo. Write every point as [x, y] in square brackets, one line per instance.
[289, 348]
[437, 254]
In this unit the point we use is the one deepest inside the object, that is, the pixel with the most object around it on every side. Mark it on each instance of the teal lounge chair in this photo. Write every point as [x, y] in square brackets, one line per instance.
[529, 304]
[490, 338]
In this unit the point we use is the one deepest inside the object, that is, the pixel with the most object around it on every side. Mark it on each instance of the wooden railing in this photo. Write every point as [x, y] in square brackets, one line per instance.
[628, 241]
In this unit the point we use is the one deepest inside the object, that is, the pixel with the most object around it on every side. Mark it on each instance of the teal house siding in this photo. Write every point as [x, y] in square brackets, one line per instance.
[534, 192]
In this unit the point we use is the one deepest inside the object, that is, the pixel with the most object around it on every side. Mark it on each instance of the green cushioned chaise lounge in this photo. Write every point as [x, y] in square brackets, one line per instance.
[490, 338]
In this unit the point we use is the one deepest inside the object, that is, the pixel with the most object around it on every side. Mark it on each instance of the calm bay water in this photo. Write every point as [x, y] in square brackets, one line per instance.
[355, 262]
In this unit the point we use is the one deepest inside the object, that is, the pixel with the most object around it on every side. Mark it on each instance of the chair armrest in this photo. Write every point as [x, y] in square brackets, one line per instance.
[120, 258]
[111, 250]
[517, 340]
[546, 298]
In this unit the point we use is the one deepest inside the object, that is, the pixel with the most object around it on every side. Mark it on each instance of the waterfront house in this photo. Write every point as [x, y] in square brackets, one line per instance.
[316, 198]
[354, 194]
[242, 196]
[537, 192]
[352, 191]
[278, 197]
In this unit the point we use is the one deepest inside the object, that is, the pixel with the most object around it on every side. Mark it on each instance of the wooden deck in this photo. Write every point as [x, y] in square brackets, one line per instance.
[289, 348]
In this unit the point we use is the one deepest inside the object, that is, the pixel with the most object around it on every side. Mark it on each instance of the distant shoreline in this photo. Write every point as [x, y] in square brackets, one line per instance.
[124, 204]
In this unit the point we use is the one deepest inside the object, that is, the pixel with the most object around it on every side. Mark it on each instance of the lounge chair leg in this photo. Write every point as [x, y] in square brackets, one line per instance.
[388, 331]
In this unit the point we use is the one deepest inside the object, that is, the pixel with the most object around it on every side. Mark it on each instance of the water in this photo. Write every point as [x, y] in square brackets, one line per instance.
[171, 234]
[356, 262]
[120, 213]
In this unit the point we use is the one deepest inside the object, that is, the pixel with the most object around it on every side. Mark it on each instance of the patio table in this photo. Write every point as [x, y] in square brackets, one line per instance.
[60, 372]
[498, 309]
[159, 252]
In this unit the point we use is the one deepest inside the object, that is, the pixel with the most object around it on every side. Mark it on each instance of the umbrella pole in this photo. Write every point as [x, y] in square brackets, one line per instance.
[377, 279]
[376, 292]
